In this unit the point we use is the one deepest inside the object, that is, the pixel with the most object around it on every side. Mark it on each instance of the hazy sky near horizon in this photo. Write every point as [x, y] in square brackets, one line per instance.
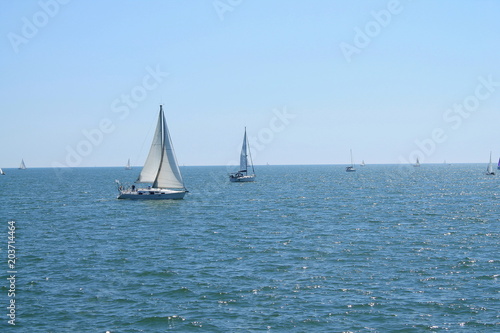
[393, 80]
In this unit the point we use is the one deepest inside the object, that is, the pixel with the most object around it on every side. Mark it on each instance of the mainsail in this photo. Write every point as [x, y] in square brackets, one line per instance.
[490, 167]
[243, 156]
[161, 167]
[22, 166]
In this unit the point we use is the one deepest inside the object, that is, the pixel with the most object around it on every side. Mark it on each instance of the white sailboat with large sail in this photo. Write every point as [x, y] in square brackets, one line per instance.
[161, 170]
[489, 170]
[1, 172]
[128, 167]
[22, 166]
[350, 168]
[242, 175]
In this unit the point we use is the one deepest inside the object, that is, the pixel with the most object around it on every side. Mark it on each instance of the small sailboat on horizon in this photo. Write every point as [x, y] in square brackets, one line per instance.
[128, 167]
[22, 166]
[160, 169]
[498, 166]
[1, 172]
[417, 163]
[350, 168]
[242, 175]
[489, 170]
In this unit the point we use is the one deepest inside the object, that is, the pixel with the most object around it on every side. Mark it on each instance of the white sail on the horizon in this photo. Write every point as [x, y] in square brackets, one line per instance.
[22, 166]
[161, 167]
[490, 166]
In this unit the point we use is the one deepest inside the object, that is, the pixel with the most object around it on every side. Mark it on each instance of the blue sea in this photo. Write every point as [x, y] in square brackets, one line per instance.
[303, 249]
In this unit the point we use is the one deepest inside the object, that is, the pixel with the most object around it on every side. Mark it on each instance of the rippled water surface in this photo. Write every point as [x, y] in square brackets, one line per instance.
[303, 249]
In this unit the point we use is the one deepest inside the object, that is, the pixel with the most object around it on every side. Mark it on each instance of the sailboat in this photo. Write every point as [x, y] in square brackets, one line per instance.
[1, 172]
[417, 164]
[350, 168]
[489, 170]
[128, 167]
[161, 169]
[22, 166]
[363, 163]
[242, 175]
[498, 166]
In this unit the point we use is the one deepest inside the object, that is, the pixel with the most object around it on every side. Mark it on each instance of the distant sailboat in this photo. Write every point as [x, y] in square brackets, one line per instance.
[128, 167]
[242, 175]
[363, 163]
[1, 172]
[489, 170]
[417, 164]
[498, 166]
[161, 169]
[22, 166]
[350, 168]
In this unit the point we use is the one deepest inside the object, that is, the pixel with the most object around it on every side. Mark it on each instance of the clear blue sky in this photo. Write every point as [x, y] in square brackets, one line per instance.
[392, 80]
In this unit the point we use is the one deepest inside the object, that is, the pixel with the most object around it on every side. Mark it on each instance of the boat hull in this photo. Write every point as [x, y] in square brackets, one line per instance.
[242, 179]
[152, 194]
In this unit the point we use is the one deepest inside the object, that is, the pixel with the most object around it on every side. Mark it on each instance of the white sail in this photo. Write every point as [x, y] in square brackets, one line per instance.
[152, 165]
[22, 166]
[169, 175]
[161, 167]
[128, 167]
[1, 172]
[243, 156]
[490, 166]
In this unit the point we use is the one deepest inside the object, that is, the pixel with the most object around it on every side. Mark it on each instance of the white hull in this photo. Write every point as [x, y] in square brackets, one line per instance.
[241, 179]
[152, 194]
